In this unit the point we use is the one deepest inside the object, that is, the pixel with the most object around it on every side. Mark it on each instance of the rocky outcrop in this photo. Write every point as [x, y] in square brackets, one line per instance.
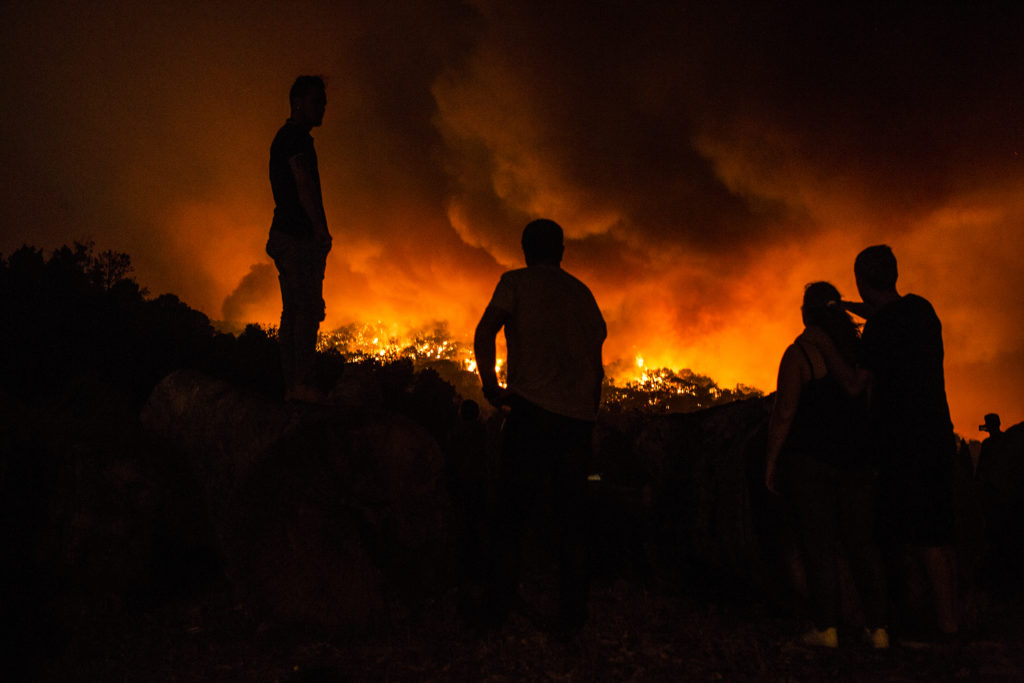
[321, 513]
[325, 513]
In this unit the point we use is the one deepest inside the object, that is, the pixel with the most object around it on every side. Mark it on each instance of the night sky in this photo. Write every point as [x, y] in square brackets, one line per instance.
[705, 159]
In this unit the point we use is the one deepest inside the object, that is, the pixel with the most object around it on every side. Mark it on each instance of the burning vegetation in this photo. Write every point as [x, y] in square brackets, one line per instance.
[377, 341]
[636, 387]
[663, 390]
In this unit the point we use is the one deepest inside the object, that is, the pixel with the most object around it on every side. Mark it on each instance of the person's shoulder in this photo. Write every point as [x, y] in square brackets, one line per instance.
[913, 301]
[546, 275]
[513, 276]
[571, 280]
[580, 291]
[918, 306]
[898, 312]
[290, 136]
[286, 131]
[800, 351]
[509, 283]
[571, 277]
[540, 274]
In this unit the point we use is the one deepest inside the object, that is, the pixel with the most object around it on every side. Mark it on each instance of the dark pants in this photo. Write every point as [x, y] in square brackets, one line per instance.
[300, 262]
[541, 448]
[835, 514]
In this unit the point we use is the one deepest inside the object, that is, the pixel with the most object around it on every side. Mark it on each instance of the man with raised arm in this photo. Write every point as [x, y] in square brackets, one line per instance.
[902, 370]
[554, 332]
[299, 239]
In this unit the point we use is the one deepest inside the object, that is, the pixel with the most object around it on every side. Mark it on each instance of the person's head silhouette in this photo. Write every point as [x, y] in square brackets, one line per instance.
[876, 273]
[308, 98]
[822, 308]
[542, 243]
[818, 296]
[992, 424]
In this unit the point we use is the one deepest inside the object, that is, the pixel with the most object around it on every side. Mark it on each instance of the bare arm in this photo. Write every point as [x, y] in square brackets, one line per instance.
[793, 373]
[485, 352]
[310, 196]
[856, 381]
[858, 308]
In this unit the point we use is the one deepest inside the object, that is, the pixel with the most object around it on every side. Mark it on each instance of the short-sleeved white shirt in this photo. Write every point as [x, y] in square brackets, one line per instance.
[554, 335]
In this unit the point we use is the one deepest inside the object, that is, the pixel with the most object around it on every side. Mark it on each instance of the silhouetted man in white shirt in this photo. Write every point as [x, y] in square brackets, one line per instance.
[554, 332]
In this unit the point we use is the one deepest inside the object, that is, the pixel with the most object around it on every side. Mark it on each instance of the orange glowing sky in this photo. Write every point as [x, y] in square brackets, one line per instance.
[706, 160]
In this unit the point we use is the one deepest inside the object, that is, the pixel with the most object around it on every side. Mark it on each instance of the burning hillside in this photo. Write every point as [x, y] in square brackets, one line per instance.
[627, 385]
[362, 341]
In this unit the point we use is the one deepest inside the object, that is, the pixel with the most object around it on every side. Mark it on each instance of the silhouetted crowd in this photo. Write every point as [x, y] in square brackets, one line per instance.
[861, 447]
[860, 443]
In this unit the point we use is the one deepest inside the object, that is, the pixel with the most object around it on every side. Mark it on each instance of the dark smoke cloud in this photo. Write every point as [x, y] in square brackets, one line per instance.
[705, 159]
[258, 285]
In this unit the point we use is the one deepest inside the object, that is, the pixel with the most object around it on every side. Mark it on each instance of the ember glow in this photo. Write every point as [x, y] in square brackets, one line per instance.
[707, 160]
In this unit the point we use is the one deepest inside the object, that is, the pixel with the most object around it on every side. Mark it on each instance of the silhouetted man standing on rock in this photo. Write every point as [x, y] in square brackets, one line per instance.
[554, 333]
[299, 239]
[902, 369]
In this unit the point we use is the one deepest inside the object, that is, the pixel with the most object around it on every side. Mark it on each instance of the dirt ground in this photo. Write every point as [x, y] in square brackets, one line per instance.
[635, 634]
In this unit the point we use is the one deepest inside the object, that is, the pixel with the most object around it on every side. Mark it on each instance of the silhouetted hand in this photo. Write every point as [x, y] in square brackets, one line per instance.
[496, 396]
[860, 309]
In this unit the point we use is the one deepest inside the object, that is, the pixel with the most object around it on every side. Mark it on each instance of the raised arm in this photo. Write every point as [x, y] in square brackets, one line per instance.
[858, 308]
[485, 353]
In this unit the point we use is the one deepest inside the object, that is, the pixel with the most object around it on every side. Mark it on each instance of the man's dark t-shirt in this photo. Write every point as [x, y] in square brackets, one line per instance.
[913, 434]
[289, 216]
[902, 347]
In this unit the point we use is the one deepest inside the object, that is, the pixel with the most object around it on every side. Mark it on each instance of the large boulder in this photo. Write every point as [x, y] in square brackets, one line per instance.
[321, 513]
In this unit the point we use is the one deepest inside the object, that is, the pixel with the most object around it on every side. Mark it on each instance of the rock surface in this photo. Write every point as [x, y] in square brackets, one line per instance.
[321, 513]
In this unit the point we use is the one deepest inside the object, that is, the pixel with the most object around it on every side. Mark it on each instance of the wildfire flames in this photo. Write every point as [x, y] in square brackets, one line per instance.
[636, 385]
[386, 343]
